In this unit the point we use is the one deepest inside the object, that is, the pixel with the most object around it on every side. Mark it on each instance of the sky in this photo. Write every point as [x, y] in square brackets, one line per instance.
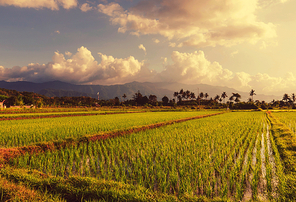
[242, 44]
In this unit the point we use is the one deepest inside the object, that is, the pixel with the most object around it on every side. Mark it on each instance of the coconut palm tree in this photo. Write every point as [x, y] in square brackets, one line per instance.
[238, 96]
[216, 97]
[223, 96]
[124, 96]
[187, 94]
[286, 98]
[206, 95]
[181, 91]
[252, 93]
[201, 95]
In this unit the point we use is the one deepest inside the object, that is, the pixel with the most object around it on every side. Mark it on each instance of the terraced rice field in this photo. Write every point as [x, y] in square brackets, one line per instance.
[226, 156]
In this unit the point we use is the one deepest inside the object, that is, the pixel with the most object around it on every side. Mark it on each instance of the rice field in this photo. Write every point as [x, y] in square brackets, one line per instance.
[230, 156]
[16, 133]
[288, 118]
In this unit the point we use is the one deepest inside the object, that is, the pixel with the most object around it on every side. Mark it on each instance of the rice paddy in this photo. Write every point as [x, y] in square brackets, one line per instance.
[228, 156]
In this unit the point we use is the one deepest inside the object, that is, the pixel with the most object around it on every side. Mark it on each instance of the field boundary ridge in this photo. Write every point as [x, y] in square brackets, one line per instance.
[285, 141]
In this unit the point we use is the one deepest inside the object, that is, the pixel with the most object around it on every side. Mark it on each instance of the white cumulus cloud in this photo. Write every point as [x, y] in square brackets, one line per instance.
[79, 68]
[189, 68]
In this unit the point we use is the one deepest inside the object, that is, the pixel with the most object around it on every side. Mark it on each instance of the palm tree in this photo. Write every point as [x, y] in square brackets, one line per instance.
[231, 98]
[124, 96]
[187, 94]
[206, 95]
[224, 95]
[184, 94]
[201, 95]
[181, 91]
[176, 94]
[216, 97]
[293, 99]
[252, 93]
[236, 100]
[180, 98]
[286, 98]
[236, 96]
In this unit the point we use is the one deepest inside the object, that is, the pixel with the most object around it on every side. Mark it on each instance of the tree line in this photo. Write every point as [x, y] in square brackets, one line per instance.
[181, 98]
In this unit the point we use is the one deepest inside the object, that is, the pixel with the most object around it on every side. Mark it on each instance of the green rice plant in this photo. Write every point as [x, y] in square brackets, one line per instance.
[197, 157]
[26, 132]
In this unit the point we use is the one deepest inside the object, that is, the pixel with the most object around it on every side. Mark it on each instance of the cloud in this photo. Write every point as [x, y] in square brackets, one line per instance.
[172, 44]
[267, 3]
[80, 68]
[68, 53]
[194, 68]
[187, 68]
[85, 7]
[50, 4]
[57, 31]
[141, 47]
[164, 60]
[156, 41]
[191, 22]
[233, 53]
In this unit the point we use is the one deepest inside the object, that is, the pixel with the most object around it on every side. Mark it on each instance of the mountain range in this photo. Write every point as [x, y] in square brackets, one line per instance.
[60, 89]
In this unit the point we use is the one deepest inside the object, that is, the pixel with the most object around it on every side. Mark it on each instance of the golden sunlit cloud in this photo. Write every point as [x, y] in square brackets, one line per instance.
[141, 47]
[50, 4]
[156, 41]
[191, 22]
[85, 7]
[187, 68]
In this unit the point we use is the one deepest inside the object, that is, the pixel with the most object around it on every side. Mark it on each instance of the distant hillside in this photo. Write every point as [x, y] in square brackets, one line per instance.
[60, 89]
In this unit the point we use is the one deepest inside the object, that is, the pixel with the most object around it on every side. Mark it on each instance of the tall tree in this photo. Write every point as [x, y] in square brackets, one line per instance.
[206, 95]
[236, 97]
[153, 98]
[201, 95]
[176, 94]
[216, 97]
[293, 97]
[252, 93]
[165, 100]
[286, 98]
[223, 96]
[138, 97]
[124, 96]
[192, 95]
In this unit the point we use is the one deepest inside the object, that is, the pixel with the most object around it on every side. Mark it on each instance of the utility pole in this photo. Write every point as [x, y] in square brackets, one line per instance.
[198, 98]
